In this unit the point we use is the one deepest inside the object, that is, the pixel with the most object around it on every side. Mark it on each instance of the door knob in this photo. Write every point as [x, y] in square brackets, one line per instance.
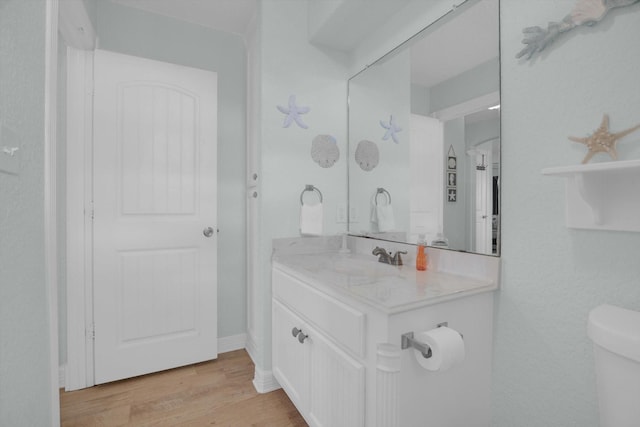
[208, 232]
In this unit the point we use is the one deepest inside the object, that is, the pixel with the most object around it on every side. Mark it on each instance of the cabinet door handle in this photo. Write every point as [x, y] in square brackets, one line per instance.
[302, 337]
[295, 332]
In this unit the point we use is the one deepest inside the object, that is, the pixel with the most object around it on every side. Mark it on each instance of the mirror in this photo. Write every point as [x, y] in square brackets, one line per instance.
[424, 136]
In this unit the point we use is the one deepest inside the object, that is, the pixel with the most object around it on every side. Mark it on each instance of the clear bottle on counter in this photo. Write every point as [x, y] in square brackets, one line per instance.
[421, 256]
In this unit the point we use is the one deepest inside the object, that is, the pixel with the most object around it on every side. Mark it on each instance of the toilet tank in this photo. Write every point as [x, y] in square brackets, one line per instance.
[615, 333]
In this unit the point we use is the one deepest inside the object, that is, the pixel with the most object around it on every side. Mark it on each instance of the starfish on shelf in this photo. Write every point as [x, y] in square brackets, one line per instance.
[603, 141]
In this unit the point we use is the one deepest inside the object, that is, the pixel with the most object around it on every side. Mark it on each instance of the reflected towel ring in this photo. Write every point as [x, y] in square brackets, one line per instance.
[310, 187]
[385, 192]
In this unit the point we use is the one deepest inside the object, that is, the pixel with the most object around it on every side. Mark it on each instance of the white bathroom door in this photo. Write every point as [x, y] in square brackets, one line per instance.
[426, 189]
[484, 203]
[155, 191]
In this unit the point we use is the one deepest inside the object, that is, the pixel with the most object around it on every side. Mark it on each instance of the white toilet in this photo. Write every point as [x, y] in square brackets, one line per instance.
[615, 333]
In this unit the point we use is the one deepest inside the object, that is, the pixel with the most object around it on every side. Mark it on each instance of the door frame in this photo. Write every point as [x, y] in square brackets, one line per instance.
[50, 196]
[79, 368]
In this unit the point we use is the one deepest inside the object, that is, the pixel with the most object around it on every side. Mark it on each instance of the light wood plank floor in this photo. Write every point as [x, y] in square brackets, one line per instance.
[216, 393]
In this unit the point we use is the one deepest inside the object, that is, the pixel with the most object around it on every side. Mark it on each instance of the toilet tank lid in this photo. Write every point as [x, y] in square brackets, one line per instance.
[616, 329]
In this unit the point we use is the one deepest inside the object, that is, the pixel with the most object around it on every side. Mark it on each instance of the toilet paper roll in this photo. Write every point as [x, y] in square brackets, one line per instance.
[447, 348]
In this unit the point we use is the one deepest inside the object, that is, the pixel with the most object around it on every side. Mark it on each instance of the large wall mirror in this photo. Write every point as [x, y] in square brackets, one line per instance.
[424, 136]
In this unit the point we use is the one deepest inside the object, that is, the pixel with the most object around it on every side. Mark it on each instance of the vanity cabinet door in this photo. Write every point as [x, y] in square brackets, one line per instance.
[290, 356]
[337, 385]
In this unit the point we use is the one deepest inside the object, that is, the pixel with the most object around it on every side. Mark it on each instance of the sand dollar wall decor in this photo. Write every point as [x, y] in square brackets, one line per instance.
[367, 155]
[325, 151]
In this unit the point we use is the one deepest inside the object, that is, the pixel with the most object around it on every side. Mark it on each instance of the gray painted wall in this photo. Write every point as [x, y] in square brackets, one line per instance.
[24, 314]
[290, 65]
[553, 276]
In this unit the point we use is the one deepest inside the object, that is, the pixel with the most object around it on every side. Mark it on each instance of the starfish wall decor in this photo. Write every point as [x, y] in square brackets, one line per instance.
[392, 130]
[293, 113]
[603, 141]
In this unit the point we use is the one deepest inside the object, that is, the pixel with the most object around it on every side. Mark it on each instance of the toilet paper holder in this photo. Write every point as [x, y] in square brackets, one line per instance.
[408, 341]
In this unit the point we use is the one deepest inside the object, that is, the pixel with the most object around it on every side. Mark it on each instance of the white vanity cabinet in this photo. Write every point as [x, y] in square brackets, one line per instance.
[324, 382]
[343, 364]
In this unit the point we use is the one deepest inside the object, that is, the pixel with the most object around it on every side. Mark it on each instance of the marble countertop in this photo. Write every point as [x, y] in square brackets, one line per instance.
[391, 289]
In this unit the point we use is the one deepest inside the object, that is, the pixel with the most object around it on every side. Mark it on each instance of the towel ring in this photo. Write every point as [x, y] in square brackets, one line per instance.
[310, 187]
[385, 192]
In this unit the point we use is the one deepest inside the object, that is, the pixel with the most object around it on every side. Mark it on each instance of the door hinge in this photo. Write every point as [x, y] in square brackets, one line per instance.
[91, 332]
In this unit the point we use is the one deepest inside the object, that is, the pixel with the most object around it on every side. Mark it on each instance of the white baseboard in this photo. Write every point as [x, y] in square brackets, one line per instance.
[232, 343]
[62, 372]
[264, 381]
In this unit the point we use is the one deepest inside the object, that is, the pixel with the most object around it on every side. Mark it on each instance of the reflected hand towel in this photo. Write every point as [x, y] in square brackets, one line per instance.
[386, 221]
[311, 220]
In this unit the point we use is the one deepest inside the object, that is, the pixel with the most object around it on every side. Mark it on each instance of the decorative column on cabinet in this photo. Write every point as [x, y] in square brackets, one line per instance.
[387, 373]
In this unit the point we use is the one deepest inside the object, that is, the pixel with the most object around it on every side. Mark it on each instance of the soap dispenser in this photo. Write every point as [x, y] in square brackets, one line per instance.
[421, 256]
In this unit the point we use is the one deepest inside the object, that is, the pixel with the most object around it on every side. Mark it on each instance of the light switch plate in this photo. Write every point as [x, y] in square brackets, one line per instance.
[10, 153]
[353, 214]
[341, 213]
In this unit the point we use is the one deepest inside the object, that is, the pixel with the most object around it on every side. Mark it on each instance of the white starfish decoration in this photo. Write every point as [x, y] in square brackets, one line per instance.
[392, 130]
[293, 113]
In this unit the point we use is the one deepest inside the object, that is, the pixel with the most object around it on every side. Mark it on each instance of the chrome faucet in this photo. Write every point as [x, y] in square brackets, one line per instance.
[386, 258]
[397, 259]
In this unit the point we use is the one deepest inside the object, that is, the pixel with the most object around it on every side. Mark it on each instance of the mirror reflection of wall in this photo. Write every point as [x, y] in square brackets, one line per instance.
[443, 89]
[374, 97]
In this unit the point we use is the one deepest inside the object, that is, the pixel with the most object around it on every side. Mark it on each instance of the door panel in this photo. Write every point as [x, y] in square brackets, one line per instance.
[290, 357]
[158, 158]
[426, 167]
[155, 291]
[483, 203]
[337, 398]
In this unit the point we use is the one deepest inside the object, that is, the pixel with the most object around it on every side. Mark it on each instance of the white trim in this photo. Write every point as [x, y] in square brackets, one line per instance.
[75, 26]
[232, 343]
[50, 217]
[61, 375]
[252, 348]
[264, 381]
[79, 372]
[468, 107]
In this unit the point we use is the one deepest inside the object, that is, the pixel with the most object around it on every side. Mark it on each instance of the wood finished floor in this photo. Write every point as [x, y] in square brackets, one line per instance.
[216, 393]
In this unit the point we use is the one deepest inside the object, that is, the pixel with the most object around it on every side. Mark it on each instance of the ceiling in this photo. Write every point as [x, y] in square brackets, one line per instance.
[458, 45]
[452, 48]
[232, 16]
[352, 21]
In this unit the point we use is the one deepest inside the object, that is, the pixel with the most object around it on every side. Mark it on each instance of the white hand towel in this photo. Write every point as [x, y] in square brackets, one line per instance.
[311, 220]
[386, 221]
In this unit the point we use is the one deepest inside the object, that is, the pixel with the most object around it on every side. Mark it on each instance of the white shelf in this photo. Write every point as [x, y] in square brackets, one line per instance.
[602, 196]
